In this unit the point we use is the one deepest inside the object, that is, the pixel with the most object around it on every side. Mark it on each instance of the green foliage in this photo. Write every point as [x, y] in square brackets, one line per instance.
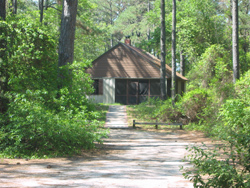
[227, 166]
[156, 109]
[189, 108]
[46, 115]
[210, 170]
[212, 68]
[89, 43]
[193, 104]
[242, 87]
[212, 75]
[33, 52]
[147, 110]
[199, 26]
[166, 112]
[41, 123]
[36, 130]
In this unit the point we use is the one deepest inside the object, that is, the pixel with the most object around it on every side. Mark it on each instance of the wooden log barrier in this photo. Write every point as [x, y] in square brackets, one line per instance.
[156, 124]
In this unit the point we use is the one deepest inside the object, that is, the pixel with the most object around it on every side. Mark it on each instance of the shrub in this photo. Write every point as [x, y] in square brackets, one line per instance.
[229, 166]
[193, 104]
[146, 110]
[46, 115]
[167, 113]
[35, 130]
[211, 170]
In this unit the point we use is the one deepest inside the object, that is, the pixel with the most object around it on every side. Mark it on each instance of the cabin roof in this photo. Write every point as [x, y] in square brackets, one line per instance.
[126, 61]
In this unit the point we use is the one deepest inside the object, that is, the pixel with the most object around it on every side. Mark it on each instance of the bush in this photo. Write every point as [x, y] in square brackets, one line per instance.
[146, 110]
[46, 115]
[189, 108]
[35, 130]
[167, 113]
[193, 104]
[227, 166]
[211, 170]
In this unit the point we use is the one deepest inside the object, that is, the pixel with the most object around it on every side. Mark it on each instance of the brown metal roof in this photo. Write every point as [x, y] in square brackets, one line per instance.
[125, 61]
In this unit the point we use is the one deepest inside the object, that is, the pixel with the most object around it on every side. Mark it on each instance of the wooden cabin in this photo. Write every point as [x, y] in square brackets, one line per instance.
[128, 75]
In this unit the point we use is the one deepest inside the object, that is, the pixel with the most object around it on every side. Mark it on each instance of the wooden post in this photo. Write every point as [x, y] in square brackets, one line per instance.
[181, 126]
[133, 123]
[156, 125]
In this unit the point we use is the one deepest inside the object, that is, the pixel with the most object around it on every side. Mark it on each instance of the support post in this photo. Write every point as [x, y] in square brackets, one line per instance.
[156, 124]
[133, 123]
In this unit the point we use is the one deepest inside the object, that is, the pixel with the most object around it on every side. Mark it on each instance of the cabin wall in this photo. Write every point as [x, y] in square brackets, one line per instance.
[109, 90]
[96, 98]
[179, 87]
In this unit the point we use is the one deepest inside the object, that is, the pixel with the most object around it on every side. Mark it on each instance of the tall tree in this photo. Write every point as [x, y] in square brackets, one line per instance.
[3, 9]
[148, 30]
[182, 63]
[46, 4]
[130, 18]
[107, 12]
[67, 32]
[14, 5]
[163, 52]
[3, 72]
[244, 32]
[235, 41]
[200, 24]
[111, 22]
[41, 2]
[173, 82]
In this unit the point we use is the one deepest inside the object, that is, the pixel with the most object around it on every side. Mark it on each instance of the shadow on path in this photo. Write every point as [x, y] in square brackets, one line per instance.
[128, 158]
[116, 117]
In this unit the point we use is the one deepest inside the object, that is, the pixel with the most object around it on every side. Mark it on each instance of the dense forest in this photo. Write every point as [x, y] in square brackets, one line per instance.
[43, 98]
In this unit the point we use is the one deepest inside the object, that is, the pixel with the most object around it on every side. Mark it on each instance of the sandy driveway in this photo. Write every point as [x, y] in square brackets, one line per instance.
[129, 158]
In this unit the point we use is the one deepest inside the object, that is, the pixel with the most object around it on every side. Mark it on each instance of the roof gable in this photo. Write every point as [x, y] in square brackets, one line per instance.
[125, 61]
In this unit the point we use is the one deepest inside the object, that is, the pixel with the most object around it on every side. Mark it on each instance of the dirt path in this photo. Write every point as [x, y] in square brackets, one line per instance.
[116, 117]
[129, 158]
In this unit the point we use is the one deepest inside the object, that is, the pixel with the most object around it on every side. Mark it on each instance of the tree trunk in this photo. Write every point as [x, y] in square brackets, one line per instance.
[14, 4]
[46, 5]
[163, 52]
[148, 29]
[3, 68]
[2, 9]
[67, 32]
[173, 83]
[182, 63]
[235, 40]
[41, 10]
[111, 23]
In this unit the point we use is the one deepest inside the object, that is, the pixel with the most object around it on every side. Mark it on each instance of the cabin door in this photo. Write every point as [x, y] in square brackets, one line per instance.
[131, 91]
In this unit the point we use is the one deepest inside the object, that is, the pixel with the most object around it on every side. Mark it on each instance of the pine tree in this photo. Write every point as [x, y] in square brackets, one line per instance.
[163, 52]
[2, 9]
[173, 83]
[235, 42]
[67, 32]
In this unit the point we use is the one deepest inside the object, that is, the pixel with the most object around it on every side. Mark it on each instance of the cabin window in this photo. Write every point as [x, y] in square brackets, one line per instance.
[135, 91]
[121, 87]
[98, 87]
[155, 88]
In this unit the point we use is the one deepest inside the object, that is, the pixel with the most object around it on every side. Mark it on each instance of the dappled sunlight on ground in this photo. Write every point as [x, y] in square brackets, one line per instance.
[132, 158]
[129, 158]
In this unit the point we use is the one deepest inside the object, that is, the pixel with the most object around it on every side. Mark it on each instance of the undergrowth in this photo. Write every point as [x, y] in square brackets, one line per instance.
[43, 114]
